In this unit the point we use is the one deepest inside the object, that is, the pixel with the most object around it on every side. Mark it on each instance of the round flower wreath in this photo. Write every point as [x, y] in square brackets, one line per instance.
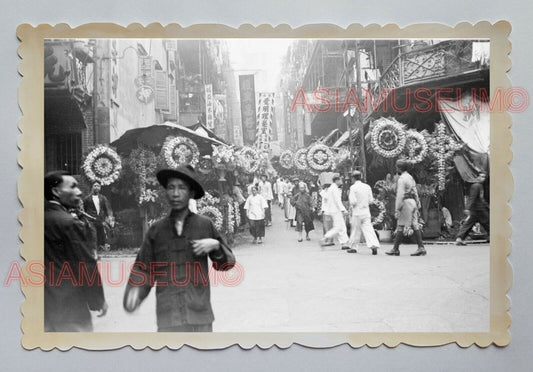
[300, 159]
[214, 214]
[415, 146]
[381, 215]
[103, 165]
[320, 157]
[205, 165]
[286, 159]
[388, 138]
[251, 159]
[180, 150]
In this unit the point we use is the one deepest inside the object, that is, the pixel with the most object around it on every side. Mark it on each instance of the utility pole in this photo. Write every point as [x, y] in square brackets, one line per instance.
[359, 114]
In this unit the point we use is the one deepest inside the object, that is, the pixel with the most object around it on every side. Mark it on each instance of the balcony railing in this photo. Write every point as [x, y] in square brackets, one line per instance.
[445, 59]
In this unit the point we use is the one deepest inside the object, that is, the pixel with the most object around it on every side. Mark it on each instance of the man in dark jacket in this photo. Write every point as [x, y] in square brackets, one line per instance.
[477, 210]
[173, 257]
[72, 281]
[97, 206]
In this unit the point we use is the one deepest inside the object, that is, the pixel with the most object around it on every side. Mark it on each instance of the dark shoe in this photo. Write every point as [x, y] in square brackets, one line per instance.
[300, 240]
[307, 238]
[351, 250]
[344, 248]
[419, 252]
[375, 250]
[393, 252]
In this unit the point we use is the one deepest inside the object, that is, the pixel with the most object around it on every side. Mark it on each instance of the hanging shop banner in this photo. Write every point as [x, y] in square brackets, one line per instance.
[265, 114]
[248, 113]
[220, 113]
[209, 107]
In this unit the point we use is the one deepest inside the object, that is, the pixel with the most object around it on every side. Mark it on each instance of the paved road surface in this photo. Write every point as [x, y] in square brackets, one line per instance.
[291, 286]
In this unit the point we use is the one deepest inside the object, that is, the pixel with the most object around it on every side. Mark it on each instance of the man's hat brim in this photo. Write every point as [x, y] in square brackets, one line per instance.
[184, 174]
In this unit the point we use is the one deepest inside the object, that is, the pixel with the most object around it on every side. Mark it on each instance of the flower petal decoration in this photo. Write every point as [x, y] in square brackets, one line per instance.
[381, 214]
[300, 159]
[286, 159]
[416, 147]
[214, 214]
[320, 157]
[180, 150]
[250, 159]
[102, 164]
[388, 138]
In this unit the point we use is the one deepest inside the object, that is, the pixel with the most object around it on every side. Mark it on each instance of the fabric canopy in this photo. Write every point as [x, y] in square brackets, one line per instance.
[469, 119]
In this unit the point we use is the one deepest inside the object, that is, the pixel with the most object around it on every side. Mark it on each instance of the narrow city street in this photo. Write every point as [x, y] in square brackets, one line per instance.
[291, 286]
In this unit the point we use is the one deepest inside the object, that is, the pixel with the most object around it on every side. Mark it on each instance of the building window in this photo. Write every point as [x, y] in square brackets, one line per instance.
[67, 149]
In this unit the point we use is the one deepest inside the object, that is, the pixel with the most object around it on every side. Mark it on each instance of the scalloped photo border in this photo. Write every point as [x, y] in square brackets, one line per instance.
[31, 144]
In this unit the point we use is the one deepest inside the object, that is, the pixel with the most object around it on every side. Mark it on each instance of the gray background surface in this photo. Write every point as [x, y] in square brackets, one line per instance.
[516, 357]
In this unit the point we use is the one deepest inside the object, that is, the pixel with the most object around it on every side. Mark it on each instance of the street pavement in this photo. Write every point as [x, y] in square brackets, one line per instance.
[284, 285]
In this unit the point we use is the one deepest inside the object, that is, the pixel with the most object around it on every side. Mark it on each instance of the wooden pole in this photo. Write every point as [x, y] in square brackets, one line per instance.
[359, 115]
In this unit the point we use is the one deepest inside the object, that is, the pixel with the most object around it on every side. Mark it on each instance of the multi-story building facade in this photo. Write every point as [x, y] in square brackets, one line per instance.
[95, 90]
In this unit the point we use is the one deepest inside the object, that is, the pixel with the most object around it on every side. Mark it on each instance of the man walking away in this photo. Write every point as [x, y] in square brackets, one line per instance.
[477, 210]
[337, 211]
[360, 197]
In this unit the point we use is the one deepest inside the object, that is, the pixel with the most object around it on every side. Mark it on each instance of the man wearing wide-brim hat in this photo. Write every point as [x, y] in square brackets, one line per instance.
[174, 256]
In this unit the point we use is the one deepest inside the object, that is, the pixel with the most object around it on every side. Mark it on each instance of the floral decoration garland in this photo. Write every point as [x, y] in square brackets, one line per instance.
[381, 215]
[388, 138]
[443, 147]
[416, 147]
[103, 165]
[300, 159]
[223, 157]
[180, 150]
[207, 200]
[236, 209]
[250, 159]
[286, 159]
[214, 214]
[320, 157]
[205, 165]
[230, 226]
[142, 161]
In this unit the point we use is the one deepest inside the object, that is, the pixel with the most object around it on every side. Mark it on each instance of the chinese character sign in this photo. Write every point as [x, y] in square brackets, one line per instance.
[209, 107]
[247, 90]
[265, 114]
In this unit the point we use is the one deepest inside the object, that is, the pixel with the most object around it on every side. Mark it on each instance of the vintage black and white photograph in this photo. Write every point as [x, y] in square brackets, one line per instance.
[267, 185]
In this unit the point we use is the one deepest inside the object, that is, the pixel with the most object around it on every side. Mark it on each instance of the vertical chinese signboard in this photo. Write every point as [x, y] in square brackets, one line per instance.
[247, 91]
[209, 107]
[265, 114]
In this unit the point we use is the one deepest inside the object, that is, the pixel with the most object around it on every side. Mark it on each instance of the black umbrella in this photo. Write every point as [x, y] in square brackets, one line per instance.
[154, 136]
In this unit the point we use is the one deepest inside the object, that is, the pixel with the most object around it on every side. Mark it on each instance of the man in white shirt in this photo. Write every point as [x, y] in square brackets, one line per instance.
[255, 207]
[265, 189]
[360, 197]
[337, 212]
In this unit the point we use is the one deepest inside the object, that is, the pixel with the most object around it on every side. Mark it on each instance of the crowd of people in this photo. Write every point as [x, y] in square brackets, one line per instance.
[74, 228]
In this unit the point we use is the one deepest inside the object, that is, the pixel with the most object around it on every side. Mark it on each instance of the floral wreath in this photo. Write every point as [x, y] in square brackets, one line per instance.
[205, 165]
[320, 157]
[142, 161]
[415, 142]
[251, 159]
[442, 147]
[214, 214]
[300, 159]
[103, 165]
[223, 156]
[388, 138]
[180, 150]
[207, 200]
[381, 215]
[286, 159]
[230, 226]
[236, 209]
